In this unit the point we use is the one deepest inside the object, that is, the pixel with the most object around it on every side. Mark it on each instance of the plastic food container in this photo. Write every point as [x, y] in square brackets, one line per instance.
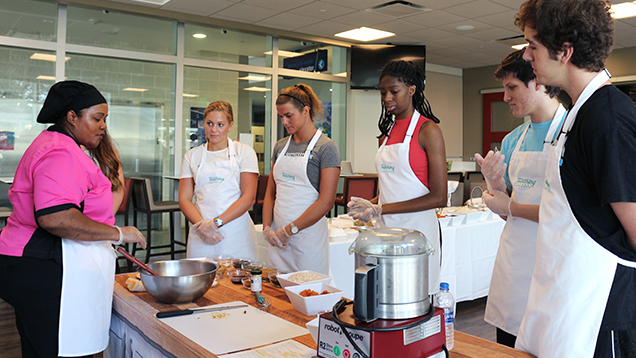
[312, 305]
[285, 282]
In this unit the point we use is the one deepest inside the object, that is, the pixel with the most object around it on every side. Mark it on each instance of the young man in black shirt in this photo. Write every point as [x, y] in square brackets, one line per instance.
[582, 300]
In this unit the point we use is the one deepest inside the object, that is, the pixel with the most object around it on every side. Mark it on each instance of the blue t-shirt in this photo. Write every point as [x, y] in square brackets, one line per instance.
[533, 141]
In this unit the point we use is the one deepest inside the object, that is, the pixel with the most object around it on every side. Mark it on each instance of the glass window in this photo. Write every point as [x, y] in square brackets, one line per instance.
[34, 20]
[140, 96]
[24, 85]
[312, 57]
[103, 28]
[334, 98]
[248, 93]
[216, 44]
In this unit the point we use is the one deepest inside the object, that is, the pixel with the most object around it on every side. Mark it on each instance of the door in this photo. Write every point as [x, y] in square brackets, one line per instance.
[498, 120]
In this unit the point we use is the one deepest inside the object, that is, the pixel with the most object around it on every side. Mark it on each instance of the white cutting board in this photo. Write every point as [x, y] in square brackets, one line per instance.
[232, 330]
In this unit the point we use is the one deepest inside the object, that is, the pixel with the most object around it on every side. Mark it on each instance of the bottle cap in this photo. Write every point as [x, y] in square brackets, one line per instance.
[256, 272]
[443, 286]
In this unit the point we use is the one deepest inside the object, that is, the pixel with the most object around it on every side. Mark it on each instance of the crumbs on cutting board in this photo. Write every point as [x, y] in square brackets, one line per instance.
[215, 315]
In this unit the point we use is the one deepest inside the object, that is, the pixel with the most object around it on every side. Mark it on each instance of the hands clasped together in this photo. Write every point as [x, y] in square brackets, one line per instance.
[208, 232]
[364, 210]
[493, 169]
[278, 238]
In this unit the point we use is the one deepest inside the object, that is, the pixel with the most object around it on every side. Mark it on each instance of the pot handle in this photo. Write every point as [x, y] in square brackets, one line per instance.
[366, 289]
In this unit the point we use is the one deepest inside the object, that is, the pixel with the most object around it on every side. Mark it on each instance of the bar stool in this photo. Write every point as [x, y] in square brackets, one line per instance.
[143, 202]
[124, 210]
[5, 213]
[360, 186]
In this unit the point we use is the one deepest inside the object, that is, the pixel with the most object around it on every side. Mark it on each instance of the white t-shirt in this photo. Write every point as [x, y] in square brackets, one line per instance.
[245, 157]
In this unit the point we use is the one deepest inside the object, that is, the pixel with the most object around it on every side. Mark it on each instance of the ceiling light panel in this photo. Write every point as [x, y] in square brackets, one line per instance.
[624, 10]
[365, 34]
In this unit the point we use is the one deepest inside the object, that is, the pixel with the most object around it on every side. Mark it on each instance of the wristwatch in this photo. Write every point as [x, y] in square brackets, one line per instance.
[218, 221]
[293, 228]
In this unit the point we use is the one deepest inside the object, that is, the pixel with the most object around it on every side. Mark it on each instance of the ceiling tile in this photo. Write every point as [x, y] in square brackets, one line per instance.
[437, 4]
[429, 34]
[476, 9]
[138, 3]
[513, 4]
[322, 10]
[360, 18]
[357, 4]
[399, 26]
[324, 28]
[502, 19]
[198, 7]
[458, 40]
[245, 13]
[494, 34]
[286, 22]
[279, 5]
[434, 18]
[477, 26]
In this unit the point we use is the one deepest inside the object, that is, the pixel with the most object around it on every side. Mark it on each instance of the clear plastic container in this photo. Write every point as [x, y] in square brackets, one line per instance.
[444, 299]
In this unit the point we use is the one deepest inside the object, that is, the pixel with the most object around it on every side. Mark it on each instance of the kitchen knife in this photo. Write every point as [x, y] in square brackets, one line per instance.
[195, 310]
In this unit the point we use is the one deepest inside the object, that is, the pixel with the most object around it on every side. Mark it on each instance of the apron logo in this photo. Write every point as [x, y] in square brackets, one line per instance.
[288, 177]
[546, 186]
[526, 183]
[214, 180]
[384, 168]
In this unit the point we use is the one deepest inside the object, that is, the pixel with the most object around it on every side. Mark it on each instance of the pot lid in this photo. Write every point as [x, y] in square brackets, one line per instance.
[391, 242]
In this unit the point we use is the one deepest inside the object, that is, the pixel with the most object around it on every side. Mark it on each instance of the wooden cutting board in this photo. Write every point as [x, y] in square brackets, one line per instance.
[233, 330]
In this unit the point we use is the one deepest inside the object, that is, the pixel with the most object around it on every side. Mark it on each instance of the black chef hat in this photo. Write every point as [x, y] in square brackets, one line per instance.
[68, 95]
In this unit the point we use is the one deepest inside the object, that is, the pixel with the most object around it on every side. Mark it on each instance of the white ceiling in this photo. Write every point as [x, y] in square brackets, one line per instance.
[434, 26]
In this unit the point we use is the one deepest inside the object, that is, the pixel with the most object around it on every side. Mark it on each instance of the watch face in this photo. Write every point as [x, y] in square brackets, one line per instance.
[218, 222]
[294, 229]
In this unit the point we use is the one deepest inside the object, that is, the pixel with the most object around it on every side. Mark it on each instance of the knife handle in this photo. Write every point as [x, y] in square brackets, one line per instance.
[173, 313]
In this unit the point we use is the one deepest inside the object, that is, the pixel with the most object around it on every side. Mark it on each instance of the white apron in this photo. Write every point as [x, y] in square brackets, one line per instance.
[573, 274]
[216, 189]
[517, 247]
[309, 248]
[398, 182]
[88, 279]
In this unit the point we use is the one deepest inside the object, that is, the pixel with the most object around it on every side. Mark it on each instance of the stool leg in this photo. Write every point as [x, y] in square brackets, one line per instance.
[171, 215]
[148, 227]
[134, 245]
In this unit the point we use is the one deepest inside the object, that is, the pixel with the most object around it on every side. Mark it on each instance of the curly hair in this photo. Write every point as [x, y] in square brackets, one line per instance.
[515, 65]
[221, 106]
[411, 75]
[301, 95]
[586, 24]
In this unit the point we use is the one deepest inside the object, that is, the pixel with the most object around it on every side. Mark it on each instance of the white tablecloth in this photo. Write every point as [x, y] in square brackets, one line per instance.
[468, 257]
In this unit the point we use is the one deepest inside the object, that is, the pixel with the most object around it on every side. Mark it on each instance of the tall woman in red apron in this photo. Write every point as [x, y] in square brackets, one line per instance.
[411, 162]
[302, 186]
[56, 260]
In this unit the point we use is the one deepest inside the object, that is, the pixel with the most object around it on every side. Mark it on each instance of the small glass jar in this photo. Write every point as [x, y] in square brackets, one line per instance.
[257, 280]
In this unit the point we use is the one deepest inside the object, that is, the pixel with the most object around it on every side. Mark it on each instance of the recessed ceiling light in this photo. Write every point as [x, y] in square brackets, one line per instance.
[465, 27]
[133, 89]
[190, 95]
[520, 46]
[199, 36]
[282, 53]
[258, 78]
[365, 34]
[46, 57]
[624, 10]
[257, 89]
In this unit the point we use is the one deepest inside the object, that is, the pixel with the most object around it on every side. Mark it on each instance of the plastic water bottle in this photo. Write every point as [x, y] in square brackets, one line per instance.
[444, 299]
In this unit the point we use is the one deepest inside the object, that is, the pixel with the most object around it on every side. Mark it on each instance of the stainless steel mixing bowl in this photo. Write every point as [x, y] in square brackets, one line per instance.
[179, 281]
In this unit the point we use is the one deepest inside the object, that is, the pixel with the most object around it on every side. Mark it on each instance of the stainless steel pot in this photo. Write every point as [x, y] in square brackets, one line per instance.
[391, 278]
[179, 281]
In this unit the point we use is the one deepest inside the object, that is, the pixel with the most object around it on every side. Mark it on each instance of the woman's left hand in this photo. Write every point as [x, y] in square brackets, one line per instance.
[364, 210]
[207, 230]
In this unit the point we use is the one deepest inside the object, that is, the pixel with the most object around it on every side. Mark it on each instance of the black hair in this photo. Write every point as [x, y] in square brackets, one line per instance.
[515, 65]
[411, 75]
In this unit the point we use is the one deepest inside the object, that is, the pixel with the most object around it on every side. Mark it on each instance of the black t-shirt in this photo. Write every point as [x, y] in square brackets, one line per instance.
[599, 168]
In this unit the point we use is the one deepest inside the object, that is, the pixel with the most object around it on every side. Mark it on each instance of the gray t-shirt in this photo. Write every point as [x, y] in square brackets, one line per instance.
[324, 155]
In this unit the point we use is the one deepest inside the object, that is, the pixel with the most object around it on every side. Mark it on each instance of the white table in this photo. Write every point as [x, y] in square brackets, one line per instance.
[468, 257]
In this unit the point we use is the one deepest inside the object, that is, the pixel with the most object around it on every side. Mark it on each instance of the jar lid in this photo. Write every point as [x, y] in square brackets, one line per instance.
[256, 272]
[391, 242]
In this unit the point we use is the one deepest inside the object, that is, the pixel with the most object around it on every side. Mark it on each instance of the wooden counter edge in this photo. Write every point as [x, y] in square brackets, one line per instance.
[468, 346]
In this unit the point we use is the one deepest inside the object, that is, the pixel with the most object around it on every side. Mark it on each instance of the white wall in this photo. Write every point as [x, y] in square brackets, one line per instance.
[444, 92]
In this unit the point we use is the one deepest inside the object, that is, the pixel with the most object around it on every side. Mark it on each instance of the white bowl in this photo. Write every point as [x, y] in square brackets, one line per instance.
[285, 282]
[312, 305]
[312, 326]
[473, 217]
[443, 222]
[457, 219]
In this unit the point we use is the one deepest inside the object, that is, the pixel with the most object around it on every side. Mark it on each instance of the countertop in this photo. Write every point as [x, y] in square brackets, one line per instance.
[139, 308]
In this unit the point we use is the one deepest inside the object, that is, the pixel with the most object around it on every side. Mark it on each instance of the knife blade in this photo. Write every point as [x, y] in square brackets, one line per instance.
[195, 310]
